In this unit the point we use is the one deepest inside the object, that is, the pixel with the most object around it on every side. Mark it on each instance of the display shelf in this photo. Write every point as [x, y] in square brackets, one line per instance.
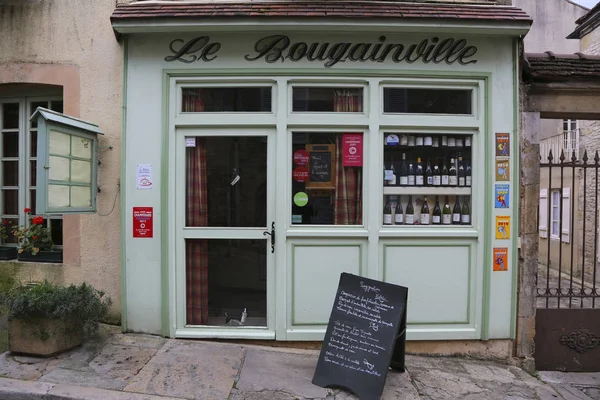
[427, 190]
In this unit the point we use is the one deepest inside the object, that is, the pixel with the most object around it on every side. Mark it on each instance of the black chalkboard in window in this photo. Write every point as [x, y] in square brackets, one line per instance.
[321, 166]
[366, 335]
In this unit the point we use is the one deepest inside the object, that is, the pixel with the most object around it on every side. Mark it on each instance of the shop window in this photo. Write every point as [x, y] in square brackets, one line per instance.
[327, 173]
[427, 179]
[427, 101]
[19, 160]
[326, 99]
[227, 99]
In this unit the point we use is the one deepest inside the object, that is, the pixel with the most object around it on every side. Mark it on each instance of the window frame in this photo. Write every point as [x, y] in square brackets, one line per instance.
[24, 188]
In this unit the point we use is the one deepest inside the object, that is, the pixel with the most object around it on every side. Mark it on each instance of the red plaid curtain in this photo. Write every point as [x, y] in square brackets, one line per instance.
[347, 100]
[196, 250]
[348, 191]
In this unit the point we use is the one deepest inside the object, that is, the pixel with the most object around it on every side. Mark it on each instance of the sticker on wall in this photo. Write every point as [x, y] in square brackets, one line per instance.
[502, 227]
[502, 145]
[190, 142]
[142, 222]
[502, 195]
[392, 140]
[502, 170]
[301, 199]
[301, 157]
[500, 259]
[352, 149]
[143, 176]
[300, 174]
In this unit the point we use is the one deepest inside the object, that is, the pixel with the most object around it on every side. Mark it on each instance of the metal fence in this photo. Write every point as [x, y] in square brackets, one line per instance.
[568, 224]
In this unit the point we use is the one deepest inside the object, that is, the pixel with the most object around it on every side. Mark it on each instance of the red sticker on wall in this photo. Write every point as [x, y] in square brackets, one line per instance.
[142, 222]
[300, 174]
[301, 157]
[352, 150]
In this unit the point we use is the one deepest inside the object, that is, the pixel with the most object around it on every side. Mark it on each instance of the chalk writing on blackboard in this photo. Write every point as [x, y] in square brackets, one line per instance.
[320, 167]
[366, 320]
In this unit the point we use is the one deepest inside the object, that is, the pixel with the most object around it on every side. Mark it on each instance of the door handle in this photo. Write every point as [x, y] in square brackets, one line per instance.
[272, 234]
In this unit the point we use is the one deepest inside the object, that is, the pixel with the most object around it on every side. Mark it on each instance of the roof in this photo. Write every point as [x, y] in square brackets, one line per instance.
[550, 67]
[315, 9]
[587, 23]
[53, 116]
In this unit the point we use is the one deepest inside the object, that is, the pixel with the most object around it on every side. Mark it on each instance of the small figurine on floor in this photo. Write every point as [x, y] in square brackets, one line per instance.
[236, 322]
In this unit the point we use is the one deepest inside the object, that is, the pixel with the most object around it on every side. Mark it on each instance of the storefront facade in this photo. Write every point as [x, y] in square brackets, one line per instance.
[261, 161]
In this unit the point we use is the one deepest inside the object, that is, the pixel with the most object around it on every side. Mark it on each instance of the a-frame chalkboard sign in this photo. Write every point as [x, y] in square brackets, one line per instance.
[366, 336]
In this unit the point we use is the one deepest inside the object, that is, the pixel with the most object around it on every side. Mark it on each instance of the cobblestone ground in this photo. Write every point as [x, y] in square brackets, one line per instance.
[550, 281]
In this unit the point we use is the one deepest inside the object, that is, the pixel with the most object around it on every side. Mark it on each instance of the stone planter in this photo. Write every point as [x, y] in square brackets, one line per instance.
[54, 256]
[8, 253]
[43, 336]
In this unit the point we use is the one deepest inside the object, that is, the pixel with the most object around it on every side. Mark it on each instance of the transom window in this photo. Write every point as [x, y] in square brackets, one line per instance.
[427, 101]
[327, 99]
[18, 158]
[226, 99]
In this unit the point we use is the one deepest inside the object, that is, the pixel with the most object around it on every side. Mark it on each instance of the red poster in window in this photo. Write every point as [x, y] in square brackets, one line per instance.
[301, 157]
[300, 174]
[352, 150]
[142, 222]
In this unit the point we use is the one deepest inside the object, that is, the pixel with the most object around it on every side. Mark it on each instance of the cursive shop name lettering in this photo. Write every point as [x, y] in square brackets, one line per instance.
[278, 48]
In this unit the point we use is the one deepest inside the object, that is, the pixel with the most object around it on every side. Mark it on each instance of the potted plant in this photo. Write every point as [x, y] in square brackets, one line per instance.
[35, 241]
[44, 318]
[6, 252]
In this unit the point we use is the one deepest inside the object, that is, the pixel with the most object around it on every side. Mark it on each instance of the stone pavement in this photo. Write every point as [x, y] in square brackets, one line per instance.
[135, 366]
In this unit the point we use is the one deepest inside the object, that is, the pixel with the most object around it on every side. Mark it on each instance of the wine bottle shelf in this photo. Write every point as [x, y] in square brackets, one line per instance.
[426, 191]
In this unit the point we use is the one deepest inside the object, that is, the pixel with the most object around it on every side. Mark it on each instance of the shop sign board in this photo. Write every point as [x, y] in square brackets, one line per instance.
[352, 150]
[366, 335]
[142, 222]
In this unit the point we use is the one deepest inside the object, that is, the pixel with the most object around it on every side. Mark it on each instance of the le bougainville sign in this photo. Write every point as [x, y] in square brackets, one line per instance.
[280, 48]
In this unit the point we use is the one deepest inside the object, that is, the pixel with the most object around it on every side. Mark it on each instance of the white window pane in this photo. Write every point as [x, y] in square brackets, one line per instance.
[59, 169]
[81, 171]
[555, 228]
[58, 196]
[81, 147]
[59, 143]
[81, 196]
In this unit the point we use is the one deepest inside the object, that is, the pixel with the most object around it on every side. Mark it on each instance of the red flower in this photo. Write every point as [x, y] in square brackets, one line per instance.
[38, 220]
[34, 237]
[27, 210]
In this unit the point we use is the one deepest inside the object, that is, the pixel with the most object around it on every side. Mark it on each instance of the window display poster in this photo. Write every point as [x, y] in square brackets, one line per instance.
[502, 145]
[142, 222]
[502, 169]
[500, 259]
[502, 195]
[502, 227]
[352, 150]
[143, 176]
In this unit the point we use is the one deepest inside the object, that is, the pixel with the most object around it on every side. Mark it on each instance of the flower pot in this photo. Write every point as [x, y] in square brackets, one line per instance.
[43, 336]
[54, 256]
[8, 253]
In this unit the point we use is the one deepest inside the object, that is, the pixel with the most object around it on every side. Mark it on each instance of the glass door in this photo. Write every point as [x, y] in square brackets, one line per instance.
[225, 232]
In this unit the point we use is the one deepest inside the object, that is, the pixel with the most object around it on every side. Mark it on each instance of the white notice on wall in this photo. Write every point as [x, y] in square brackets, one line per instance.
[144, 176]
[190, 142]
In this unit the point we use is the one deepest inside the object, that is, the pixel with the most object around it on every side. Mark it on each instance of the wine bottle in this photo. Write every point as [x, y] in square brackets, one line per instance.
[437, 175]
[409, 218]
[445, 174]
[465, 213]
[437, 212]
[446, 213]
[459, 141]
[456, 212]
[452, 178]
[428, 140]
[387, 175]
[425, 212]
[468, 141]
[399, 213]
[435, 142]
[411, 175]
[404, 139]
[444, 141]
[461, 172]
[411, 140]
[428, 174]
[468, 174]
[419, 173]
[419, 141]
[392, 181]
[403, 171]
[387, 213]
[451, 141]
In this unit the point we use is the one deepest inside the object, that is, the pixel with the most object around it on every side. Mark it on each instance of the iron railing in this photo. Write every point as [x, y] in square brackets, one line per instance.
[568, 271]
